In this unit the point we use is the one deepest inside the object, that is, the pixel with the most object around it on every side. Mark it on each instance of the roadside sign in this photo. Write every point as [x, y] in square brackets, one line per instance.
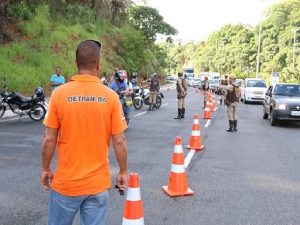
[275, 78]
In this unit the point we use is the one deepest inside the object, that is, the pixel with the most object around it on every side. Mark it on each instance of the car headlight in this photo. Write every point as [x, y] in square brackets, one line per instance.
[281, 107]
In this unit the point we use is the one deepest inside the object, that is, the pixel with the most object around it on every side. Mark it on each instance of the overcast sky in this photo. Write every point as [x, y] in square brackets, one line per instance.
[197, 19]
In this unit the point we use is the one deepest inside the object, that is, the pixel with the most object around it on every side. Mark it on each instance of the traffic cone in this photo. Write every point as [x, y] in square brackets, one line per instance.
[178, 178]
[211, 106]
[195, 139]
[133, 213]
[206, 113]
[214, 105]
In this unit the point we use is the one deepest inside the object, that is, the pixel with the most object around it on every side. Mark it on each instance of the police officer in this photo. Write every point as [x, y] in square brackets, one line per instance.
[205, 89]
[154, 88]
[224, 82]
[231, 101]
[181, 87]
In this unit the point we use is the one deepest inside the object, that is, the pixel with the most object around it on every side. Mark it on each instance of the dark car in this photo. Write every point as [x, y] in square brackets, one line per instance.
[282, 102]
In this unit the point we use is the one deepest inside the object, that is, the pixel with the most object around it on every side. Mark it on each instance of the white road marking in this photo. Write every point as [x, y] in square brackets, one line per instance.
[165, 104]
[207, 123]
[188, 158]
[139, 114]
[14, 118]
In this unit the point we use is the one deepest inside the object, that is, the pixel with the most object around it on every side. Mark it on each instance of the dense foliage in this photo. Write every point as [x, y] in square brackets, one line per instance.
[233, 48]
[39, 35]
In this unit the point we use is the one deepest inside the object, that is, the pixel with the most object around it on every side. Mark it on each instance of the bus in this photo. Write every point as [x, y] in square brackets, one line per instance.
[188, 72]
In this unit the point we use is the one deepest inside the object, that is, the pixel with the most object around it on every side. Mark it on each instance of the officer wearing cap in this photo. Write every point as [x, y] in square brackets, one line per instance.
[154, 88]
[231, 101]
[181, 87]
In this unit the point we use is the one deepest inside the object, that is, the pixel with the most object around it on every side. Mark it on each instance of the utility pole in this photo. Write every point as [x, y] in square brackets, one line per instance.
[259, 44]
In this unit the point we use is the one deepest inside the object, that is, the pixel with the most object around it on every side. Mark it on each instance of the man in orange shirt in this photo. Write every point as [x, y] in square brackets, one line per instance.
[83, 116]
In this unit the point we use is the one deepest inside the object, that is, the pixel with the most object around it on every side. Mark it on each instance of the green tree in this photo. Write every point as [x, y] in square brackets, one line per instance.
[150, 22]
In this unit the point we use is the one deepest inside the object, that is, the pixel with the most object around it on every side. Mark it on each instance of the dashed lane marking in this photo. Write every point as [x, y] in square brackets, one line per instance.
[188, 158]
[139, 114]
[207, 123]
[14, 118]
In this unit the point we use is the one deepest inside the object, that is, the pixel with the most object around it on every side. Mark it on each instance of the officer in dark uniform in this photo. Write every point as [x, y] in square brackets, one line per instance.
[181, 87]
[231, 100]
[224, 82]
[154, 88]
[205, 89]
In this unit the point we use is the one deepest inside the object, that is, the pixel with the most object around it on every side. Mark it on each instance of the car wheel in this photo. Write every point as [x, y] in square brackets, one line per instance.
[273, 119]
[265, 115]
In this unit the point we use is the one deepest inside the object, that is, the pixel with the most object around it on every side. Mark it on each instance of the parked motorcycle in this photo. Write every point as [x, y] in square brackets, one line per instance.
[142, 97]
[33, 106]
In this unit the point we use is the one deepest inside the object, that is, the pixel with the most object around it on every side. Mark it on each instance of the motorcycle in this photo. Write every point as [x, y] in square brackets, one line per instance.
[142, 97]
[33, 106]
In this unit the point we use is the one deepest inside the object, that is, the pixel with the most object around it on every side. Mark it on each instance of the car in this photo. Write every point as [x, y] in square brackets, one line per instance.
[190, 81]
[213, 84]
[197, 82]
[239, 82]
[170, 78]
[253, 90]
[282, 102]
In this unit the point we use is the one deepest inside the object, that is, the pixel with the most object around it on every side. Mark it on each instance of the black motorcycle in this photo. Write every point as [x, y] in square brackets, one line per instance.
[33, 106]
[142, 97]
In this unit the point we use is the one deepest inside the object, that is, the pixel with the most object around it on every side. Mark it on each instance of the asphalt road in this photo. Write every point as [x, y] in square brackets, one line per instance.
[243, 178]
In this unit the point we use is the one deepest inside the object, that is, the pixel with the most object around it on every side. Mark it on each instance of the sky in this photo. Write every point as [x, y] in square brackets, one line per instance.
[195, 20]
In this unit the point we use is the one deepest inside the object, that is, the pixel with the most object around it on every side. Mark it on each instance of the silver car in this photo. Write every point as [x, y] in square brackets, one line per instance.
[282, 102]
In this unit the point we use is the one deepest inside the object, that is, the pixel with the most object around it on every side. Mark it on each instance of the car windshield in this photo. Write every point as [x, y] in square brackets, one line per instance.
[287, 90]
[256, 83]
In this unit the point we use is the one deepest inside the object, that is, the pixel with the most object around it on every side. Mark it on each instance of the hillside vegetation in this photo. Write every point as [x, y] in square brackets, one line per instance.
[37, 38]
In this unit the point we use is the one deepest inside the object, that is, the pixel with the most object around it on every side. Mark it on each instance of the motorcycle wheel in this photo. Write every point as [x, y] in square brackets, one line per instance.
[37, 112]
[137, 104]
[158, 102]
[2, 110]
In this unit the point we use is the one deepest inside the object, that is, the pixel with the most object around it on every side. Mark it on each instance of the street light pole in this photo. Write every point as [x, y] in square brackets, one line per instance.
[259, 45]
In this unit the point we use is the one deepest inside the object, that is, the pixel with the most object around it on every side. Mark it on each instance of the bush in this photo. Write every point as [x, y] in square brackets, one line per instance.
[20, 10]
[40, 24]
[79, 14]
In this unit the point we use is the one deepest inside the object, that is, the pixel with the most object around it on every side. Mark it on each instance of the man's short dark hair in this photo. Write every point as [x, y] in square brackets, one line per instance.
[180, 74]
[88, 54]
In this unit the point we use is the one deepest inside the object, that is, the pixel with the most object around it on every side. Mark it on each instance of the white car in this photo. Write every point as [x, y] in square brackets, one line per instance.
[190, 81]
[253, 90]
[197, 82]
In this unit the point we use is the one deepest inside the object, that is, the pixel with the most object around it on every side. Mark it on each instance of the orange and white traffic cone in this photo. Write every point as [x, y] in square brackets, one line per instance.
[178, 178]
[195, 138]
[211, 106]
[133, 213]
[214, 105]
[206, 113]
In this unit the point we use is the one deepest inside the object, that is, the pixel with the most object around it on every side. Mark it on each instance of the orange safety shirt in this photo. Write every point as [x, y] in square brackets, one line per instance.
[86, 113]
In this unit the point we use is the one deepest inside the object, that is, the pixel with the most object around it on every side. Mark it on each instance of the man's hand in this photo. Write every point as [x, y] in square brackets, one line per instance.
[45, 179]
[122, 180]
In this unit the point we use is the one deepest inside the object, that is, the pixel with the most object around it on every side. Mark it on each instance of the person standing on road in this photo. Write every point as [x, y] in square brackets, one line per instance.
[83, 116]
[56, 79]
[231, 101]
[205, 89]
[181, 87]
[154, 88]
[224, 82]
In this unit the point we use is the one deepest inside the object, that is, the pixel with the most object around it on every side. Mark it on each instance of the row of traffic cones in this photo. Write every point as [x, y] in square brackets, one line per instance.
[133, 213]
